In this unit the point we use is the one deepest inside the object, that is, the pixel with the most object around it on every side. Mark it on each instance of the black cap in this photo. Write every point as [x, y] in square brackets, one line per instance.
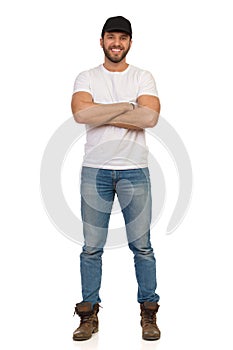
[117, 24]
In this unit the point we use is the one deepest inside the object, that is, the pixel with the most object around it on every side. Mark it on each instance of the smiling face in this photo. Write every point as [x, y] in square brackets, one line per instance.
[115, 45]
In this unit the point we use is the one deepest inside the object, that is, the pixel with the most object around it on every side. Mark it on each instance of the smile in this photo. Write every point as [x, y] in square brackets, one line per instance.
[116, 50]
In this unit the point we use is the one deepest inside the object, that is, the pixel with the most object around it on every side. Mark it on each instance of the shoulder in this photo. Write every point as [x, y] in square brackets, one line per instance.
[90, 72]
[145, 80]
[140, 72]
[85, 79]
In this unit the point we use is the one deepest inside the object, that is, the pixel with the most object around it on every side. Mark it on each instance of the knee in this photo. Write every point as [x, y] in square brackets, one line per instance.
[91, 251]
[142, 245]
[140, 249]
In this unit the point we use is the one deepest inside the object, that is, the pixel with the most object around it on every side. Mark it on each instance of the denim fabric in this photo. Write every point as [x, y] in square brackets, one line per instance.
[98, 189]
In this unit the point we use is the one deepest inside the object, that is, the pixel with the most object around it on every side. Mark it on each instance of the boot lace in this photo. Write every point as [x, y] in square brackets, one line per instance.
[149, 317]
[86, 319]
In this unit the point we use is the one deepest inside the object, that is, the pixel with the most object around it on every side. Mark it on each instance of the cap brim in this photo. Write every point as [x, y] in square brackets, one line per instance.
[121, 30]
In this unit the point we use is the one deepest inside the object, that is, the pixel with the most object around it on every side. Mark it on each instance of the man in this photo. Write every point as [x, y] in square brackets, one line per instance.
[117, 102]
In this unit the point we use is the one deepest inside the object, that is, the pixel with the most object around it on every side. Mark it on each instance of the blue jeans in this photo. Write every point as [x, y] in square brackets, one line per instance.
[98, 189]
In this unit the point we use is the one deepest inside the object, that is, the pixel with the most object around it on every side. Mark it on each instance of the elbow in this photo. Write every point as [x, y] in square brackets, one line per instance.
[153, 120]
[77, 113]
[78, 118]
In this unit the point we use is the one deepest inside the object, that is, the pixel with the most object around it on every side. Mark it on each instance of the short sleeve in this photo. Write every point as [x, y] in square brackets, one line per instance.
[82, 83]
[147, 85]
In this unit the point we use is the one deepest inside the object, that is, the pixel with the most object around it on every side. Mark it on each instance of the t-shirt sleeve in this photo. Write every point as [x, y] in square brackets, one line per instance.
[82, 83]
[147, 85]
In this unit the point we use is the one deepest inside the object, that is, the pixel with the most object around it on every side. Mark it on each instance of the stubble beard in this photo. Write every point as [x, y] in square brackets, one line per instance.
[115, 59]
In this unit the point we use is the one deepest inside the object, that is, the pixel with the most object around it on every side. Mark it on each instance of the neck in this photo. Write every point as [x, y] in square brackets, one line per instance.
[115, 67]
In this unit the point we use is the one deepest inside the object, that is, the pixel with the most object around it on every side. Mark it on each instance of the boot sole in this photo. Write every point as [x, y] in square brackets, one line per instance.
[151, 338]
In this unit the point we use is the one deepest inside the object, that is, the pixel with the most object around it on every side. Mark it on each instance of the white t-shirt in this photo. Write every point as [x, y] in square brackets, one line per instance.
[111, 147]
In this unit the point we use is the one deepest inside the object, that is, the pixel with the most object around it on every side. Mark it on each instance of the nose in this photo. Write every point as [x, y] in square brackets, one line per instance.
[117, 41]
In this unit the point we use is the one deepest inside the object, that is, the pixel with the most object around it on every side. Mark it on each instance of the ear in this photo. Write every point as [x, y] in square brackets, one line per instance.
[101, 42]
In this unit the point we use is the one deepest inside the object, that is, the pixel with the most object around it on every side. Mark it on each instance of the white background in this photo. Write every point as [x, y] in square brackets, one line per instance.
[187, 45]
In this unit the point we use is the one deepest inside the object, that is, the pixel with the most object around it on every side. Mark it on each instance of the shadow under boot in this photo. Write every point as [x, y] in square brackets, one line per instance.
[88, 320]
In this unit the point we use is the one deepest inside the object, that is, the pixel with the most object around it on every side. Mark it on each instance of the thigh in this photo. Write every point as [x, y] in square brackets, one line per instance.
[97, 195]
[134, 194]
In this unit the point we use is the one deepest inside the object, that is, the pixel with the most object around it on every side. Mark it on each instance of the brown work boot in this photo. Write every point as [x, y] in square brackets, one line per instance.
[150, 330]
[89, 320]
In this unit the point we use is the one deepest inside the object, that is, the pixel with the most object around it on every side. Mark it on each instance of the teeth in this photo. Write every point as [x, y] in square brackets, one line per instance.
[116, 50]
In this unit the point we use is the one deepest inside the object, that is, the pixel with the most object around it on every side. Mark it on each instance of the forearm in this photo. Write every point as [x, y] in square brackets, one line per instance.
[99, 114]
[138, 118]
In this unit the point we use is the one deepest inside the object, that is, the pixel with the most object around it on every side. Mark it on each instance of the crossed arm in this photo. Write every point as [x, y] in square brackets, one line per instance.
[124, 115]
